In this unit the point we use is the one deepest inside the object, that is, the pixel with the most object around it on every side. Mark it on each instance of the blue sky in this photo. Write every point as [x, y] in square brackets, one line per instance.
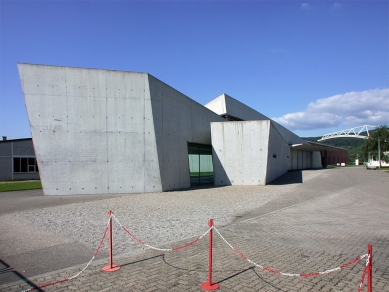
[314, 66]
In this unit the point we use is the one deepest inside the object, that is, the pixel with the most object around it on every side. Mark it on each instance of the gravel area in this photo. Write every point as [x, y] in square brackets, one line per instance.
[155, 218]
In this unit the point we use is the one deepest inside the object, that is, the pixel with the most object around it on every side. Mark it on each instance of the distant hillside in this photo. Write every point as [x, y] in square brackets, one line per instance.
[353, 145]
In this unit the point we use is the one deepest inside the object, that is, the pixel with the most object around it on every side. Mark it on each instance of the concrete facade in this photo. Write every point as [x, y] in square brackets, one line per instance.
[19, 151]
[253, 149]
[248, 153]
[225, 105]
[100, 132]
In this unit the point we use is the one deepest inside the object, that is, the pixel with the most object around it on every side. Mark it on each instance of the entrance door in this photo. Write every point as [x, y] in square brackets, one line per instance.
[200, 164]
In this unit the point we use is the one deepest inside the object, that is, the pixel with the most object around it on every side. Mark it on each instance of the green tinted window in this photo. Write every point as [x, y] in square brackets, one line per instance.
[200, 163]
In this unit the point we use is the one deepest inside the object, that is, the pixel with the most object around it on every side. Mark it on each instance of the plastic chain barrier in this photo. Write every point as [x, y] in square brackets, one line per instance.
[157, 248]
[80, 272]
[289, 274]
[360, 288]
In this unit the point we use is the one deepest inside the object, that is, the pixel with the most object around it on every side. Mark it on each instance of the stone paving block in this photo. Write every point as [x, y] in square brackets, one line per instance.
[311, 236]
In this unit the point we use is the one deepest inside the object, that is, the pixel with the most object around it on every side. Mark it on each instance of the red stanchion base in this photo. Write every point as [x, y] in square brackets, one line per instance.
[212, 286]
[110, 269]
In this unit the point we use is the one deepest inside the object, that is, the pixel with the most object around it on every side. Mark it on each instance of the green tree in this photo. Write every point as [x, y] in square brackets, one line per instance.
[379, 135]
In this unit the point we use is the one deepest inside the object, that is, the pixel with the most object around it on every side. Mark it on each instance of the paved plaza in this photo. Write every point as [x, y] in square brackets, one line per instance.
[304, 222]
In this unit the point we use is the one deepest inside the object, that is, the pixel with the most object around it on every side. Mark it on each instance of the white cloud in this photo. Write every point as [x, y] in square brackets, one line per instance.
[305, 6]
[352, 109]
[337, 6]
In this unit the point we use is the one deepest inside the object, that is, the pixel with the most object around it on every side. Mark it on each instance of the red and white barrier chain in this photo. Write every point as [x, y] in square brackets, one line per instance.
[157, 248]
[360, 288]
[288, 274]
[80, 272]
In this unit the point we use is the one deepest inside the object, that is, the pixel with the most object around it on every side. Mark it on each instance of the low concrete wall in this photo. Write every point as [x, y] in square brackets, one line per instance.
[240, 152]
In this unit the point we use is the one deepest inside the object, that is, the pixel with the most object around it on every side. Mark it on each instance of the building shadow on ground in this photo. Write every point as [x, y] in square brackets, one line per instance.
[291, 177]
[8, 275]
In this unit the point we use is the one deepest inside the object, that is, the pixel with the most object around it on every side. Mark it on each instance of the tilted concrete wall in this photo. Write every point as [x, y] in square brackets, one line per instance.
[240, 151]
[218, 105]
[225, 104]
[178, 120]
[99, 131]
[278, 155]
[92, 130]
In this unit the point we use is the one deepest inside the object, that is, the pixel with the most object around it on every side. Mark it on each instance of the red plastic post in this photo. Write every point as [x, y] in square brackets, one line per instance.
[210, 285]
[111, 267]
[370, 269]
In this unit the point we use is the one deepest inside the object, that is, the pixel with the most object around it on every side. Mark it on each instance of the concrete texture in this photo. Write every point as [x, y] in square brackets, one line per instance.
[226, 105]
[100, 131]
[319, 224]
[242, 150]
[253, 153]
[278, 156]
[111, 132]
[178, 120]
[89, 129]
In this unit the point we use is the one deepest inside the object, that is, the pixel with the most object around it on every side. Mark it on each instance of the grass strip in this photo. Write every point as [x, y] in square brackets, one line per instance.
[9, 186]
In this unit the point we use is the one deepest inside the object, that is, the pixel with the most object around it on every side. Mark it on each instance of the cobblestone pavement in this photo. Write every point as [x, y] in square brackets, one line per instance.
[333, 216]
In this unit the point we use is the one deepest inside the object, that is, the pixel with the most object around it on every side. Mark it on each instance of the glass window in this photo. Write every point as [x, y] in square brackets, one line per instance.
[16, 164]
[25, 164]
[200, 163]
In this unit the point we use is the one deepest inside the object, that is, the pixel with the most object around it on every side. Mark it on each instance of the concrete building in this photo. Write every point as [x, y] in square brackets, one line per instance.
[252, 149]
[100, 131]
[17, 160]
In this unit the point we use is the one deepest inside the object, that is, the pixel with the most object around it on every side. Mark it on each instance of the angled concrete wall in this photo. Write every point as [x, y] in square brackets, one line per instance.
[240, 152]
[90, 130]
[278, 155]
[225, 104]
[178, 120]
[253, 153]
[99, 131]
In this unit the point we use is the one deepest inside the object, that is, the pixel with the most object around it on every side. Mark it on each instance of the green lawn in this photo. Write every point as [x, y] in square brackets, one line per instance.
[7, 186]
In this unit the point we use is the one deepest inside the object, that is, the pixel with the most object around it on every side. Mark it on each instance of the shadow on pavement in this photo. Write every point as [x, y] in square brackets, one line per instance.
[143, 260]
[6, 268]
[291, 177]
[270, 284]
